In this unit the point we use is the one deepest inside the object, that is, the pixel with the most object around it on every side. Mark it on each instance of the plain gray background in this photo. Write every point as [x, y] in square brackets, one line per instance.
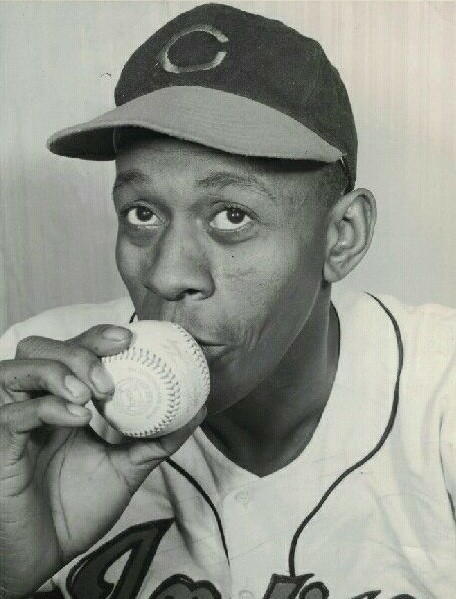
[59, 62]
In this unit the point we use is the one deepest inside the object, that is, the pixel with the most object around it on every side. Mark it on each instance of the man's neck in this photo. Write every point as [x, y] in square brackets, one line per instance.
[270, 427]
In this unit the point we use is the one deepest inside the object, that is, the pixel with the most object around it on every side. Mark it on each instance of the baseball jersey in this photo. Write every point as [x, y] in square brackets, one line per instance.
[366, 511]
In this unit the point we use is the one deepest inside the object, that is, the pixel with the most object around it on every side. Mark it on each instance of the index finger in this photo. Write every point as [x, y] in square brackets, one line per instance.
[81, 354]
[103, 339]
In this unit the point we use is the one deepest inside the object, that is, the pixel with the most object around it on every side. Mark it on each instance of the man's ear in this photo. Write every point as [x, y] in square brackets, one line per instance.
[351, 225]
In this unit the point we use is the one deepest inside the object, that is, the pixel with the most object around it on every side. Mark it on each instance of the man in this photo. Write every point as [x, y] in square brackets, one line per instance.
[325, 465]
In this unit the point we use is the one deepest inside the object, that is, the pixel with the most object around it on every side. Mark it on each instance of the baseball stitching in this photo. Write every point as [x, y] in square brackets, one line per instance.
[168, 378]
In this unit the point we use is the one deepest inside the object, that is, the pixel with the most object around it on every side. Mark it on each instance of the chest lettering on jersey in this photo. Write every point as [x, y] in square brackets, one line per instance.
[374, 594]
[87, 578]
[140, 544]
[180, 586]
[288, 587]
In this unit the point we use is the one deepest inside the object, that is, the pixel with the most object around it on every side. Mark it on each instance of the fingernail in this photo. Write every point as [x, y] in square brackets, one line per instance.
[102, 379]
[76, 410]
[74, 386]
[116, 334]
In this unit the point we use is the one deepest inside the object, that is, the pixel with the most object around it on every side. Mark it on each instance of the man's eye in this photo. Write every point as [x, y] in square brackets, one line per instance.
[230, 219]
[140, 216]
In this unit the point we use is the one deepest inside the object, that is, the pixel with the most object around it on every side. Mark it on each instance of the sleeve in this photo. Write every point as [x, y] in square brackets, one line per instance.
[65, 322]
[51, 323]
[8, 343]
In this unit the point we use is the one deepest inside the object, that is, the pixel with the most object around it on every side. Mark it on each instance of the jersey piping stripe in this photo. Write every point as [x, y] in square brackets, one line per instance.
[386, 432]
[206, 497]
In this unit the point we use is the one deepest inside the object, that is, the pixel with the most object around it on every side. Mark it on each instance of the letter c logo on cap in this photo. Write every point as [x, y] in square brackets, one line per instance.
[170, 67]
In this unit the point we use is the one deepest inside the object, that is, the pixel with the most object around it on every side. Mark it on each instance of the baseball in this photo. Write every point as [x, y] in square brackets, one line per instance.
[161, 381]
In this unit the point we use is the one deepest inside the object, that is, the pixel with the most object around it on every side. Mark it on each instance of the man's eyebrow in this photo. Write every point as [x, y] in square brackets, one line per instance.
[130, 176]
[221, 179]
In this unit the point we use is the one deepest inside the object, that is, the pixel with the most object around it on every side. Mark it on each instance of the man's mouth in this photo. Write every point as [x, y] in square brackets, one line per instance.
[211, 349]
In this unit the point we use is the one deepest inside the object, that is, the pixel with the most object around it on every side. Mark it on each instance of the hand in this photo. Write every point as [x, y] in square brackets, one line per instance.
[61, 487]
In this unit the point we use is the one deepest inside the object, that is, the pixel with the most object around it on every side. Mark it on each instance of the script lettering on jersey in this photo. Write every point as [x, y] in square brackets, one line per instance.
[280, 587]
[87, 579]
[288, 587]
[180, 586]
[138, 546]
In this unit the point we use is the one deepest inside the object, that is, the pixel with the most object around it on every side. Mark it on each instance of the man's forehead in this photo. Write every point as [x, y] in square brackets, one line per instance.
[214, 180]
[131, 176]
[144, 163]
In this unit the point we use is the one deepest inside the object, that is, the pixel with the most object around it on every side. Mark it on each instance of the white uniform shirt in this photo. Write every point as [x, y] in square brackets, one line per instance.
[366, 511]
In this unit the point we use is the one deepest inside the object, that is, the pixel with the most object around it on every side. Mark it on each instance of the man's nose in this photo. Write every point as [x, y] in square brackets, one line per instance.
[179, 267]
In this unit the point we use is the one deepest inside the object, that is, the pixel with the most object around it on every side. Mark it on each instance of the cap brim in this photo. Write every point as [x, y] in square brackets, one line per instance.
[207, 116]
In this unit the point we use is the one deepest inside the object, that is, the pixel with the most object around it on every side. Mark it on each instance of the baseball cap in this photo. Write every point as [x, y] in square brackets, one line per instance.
[230, 80]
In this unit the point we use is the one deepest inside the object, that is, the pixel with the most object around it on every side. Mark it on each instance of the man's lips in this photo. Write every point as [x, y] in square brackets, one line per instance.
[211, 349]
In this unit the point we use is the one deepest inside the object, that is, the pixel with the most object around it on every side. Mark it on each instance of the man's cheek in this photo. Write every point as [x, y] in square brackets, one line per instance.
[132, 264]
[126, 259]
[258, 268]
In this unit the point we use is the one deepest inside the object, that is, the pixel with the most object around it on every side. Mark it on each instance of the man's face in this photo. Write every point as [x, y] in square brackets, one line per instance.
[230, 248]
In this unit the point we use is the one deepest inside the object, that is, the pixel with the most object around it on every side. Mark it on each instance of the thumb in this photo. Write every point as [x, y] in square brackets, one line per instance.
[136, 460]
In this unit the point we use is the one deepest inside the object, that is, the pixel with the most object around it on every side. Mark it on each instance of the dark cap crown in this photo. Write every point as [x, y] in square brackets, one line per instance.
[285, 86]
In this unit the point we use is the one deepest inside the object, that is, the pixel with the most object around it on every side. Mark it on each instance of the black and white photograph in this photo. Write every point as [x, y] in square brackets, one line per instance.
[227, 299]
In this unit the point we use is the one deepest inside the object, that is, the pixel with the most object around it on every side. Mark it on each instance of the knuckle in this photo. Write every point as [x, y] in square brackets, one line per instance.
[33, 346]
[24, 345]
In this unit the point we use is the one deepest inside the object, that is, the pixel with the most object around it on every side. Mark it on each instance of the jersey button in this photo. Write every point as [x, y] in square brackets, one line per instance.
[243, 498]
[246, 594]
